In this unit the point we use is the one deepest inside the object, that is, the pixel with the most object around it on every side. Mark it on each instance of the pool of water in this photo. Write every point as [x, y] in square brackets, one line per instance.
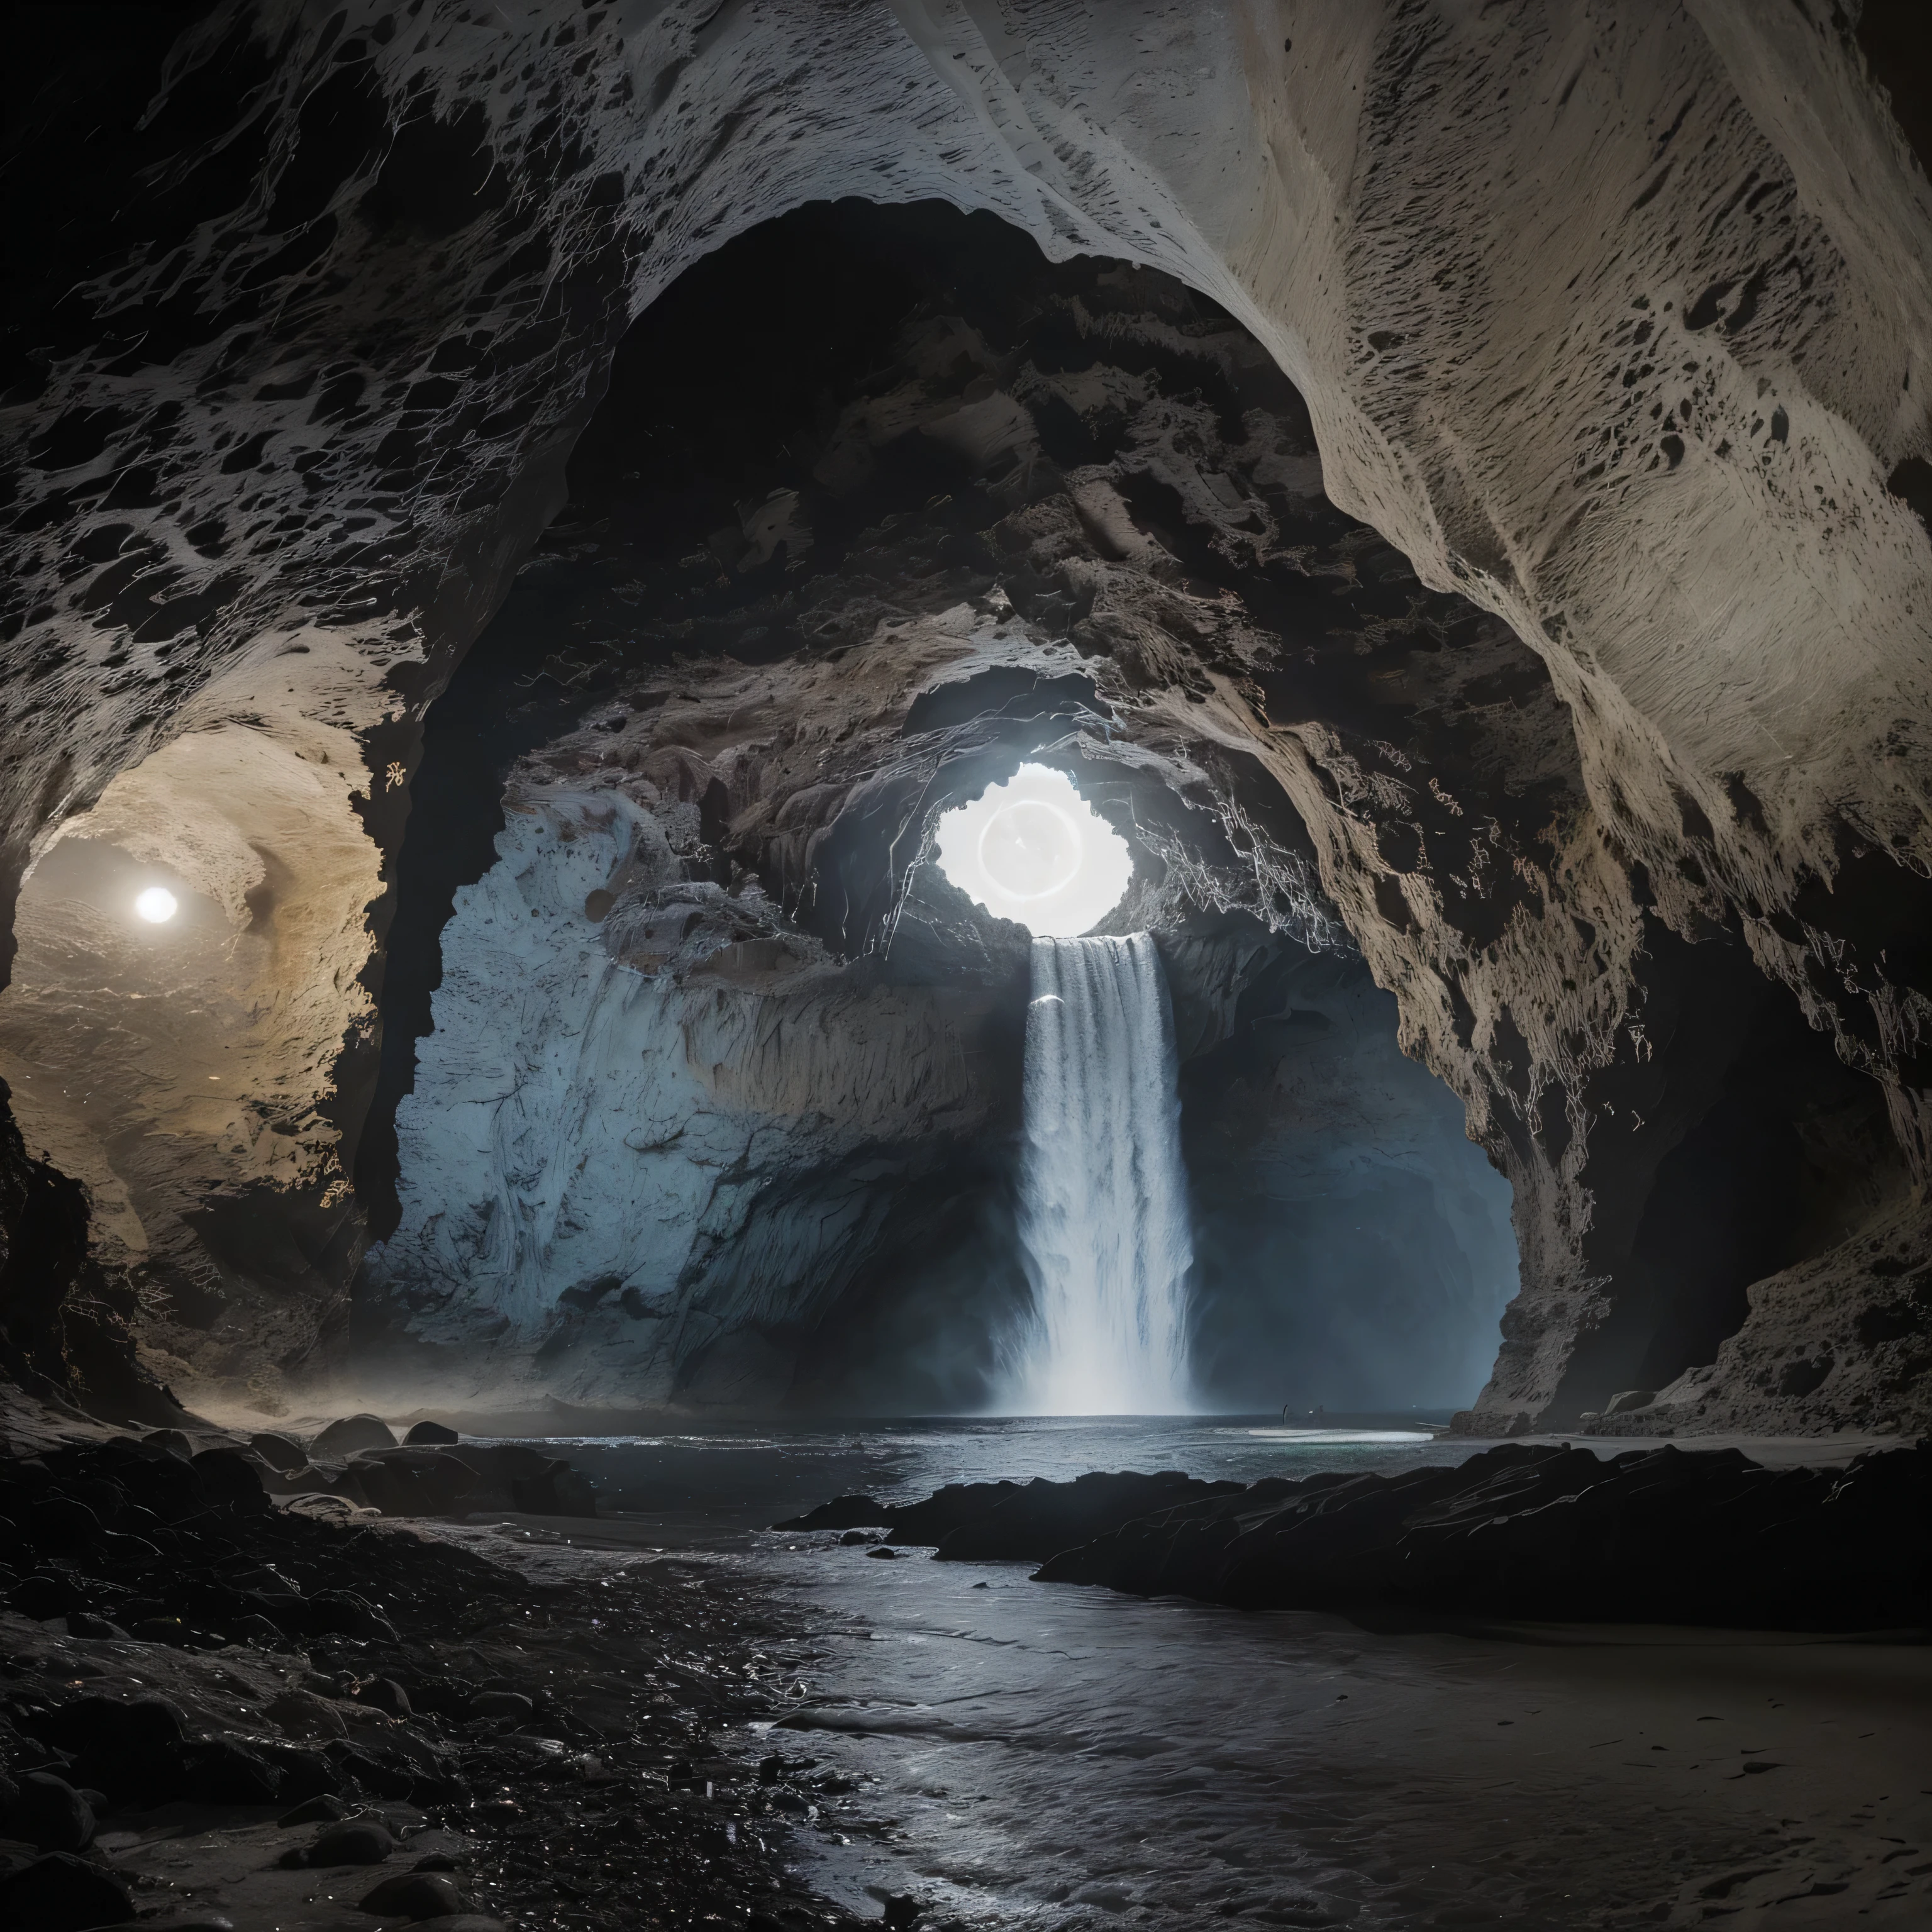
[1029, 1756]
[711, 1487]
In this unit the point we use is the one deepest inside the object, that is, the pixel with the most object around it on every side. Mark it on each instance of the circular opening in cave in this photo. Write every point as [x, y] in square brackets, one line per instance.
[1033, 850]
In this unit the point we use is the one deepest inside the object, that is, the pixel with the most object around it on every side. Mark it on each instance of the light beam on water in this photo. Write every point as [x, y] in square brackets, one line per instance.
[1104, 1224]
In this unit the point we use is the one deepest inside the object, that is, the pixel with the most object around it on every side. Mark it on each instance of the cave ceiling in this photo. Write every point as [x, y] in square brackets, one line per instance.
[1479, 544]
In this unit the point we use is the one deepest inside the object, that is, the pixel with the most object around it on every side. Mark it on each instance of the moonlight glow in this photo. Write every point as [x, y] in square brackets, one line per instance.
[157, 905]
[1034, 851]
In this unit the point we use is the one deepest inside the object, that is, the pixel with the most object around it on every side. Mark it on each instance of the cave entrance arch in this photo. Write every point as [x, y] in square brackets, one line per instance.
[800, 507]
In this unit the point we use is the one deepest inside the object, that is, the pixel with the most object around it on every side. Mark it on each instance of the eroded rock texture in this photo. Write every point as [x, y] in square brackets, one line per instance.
[722, 1095]
[1612, 322]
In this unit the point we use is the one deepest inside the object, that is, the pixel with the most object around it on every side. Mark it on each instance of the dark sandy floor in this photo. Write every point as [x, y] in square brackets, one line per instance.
[1022, 1756]
[630, 1797]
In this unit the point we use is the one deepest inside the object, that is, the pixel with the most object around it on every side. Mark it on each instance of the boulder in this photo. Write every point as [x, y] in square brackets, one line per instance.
[48, 1813]
[112, 1726]
[980, 1522]
[416, 1895]
[844, 1512]
[229, 1476]
[384, 1694]
[1034, 1522]
[323, 1811]
[82, 1623]
[558, 1490]
[413, 1482]
[62, 1893]
[1661, 1536]
[300, 1714]
[352, 1433]
[303, 1775]
[279, 1452]
[225, 1771]
[358, 1841]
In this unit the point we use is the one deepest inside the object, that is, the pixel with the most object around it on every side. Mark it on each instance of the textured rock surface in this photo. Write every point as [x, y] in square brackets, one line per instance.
[273, 1694]
[1656, 1536]
[662, 1141]
[281, 415]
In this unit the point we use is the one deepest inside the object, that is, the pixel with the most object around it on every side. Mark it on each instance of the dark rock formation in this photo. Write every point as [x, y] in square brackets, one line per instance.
[61, 1893]
[376, 1727]
[1657, 1536]
[350, 1434]
[980, 1522]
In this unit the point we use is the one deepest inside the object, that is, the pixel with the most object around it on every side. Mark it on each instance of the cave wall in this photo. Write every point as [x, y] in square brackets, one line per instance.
[657, 1130]
[1353, 1249]
[280, 424]
[904, 656]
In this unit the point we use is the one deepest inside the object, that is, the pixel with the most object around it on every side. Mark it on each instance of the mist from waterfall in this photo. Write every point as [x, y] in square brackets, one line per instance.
[1104, 1225]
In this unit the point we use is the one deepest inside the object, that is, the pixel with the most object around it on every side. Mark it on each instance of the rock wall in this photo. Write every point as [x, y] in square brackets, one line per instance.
[649, 1183]
[1613, 322]
[729, 794]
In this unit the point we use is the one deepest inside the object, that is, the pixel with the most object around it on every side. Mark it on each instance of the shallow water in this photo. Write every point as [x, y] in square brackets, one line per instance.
[715, 1485]
[1034, 1755]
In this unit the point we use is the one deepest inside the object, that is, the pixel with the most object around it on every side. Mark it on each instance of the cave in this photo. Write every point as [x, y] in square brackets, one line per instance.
[1160, 768]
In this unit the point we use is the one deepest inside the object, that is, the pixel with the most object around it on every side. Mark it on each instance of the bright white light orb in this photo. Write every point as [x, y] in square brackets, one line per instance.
[157, 905]
[1034, 851]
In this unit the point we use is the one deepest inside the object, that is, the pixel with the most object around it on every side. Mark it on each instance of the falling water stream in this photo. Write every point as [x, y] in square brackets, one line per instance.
[1103, 1196]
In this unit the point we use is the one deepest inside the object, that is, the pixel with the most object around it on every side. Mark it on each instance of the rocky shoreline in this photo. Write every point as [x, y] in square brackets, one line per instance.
[223, 1711]
[1527, 1532]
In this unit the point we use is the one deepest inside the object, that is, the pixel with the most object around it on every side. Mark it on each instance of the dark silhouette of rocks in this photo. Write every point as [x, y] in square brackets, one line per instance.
[359, 1622]
[278, 1451]
[993, 1521]
[361, 1842]
[47, 1813]
[62, 1893]
[418, 1894]
[352, 1433]
[1663, 1535]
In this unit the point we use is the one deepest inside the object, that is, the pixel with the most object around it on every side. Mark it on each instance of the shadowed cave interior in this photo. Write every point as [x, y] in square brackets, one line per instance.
[913, 1327]
[752, 497]
[966, 966]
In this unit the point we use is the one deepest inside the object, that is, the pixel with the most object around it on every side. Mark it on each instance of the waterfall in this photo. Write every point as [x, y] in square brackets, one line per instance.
[1103, 1197]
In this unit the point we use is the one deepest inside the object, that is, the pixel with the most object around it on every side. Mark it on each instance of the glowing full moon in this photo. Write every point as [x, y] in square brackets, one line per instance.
[156, 905]
[1034, 851]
